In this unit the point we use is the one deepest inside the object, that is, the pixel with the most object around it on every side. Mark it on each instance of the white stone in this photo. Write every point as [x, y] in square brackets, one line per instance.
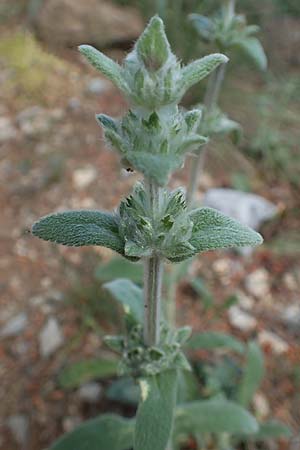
[50, 338]
[241, 320]
[36, 120]
[277, 344]
[249, 209]
[245, 301]
[15, 326]
[19, 427]
[291, 314]
[84, 177]
[290, 281]
[257, 283]
[90, 392]
[97, 86]
[7, 130]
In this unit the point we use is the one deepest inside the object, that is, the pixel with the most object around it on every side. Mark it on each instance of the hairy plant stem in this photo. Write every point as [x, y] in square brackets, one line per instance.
[210, 100]
[153, 271]
[229, 12]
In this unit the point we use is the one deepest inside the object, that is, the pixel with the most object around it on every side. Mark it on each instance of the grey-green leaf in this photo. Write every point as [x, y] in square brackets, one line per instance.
[254, 50]
[105, 65]
[211, 340]
[253, 374]
[214, 416]
[102, 433]
[90, 369]
[119, 268]
[129, 295]
[213, 230]
[79, 228]
[154, 418]
[203, 25]
[272, 429]
[153, 47]
[199, 69]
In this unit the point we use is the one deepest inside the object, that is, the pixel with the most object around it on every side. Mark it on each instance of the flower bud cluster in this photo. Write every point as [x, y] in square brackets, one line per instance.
[139, 360]
[151, 77]
[155, 145]
[165, 232]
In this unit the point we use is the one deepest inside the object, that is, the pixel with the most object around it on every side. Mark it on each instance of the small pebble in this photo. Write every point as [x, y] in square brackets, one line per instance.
[97, 86]
[258, 283]
[14, 326]
[241, 320]
[19, 427]
[277, 344]
[50, 338]
[84, 177]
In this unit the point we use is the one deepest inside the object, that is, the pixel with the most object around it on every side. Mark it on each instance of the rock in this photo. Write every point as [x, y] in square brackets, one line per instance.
[245, 301]
[15, 326]
[291, 315]
[74, 104]
[100, 23]
[50, 338]
[276, 343]
[84, 177]
[290, 281]
[241, 320]
[257, 283]
[97, 86]
[90, 392]
[7, 130]
[19, 427]
[37, 120]
[249, 209]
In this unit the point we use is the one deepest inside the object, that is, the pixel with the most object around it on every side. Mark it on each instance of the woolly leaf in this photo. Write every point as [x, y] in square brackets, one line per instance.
[212, 340]
[203, 25]
[153, 47]
[155, 412]
[199, 69]
[83, 371]
[253, 374]
[213, 230]
[192, 119]
[108, 431]
[254, 50]
[79, 228]
[105, 65]
[118, 267]
[107, 122]
[129, 295]
[214, 416]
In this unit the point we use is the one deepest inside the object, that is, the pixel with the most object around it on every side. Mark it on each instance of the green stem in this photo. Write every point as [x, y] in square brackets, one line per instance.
[210, 100]
[229, 12]
[153, 271]
[161, 7]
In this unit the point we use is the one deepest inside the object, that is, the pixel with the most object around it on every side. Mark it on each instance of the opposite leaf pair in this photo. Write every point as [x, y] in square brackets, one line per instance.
[155, 145]
[172, 232]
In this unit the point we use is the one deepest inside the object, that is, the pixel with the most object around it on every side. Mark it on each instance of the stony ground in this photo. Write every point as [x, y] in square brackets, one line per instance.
[53, 158]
